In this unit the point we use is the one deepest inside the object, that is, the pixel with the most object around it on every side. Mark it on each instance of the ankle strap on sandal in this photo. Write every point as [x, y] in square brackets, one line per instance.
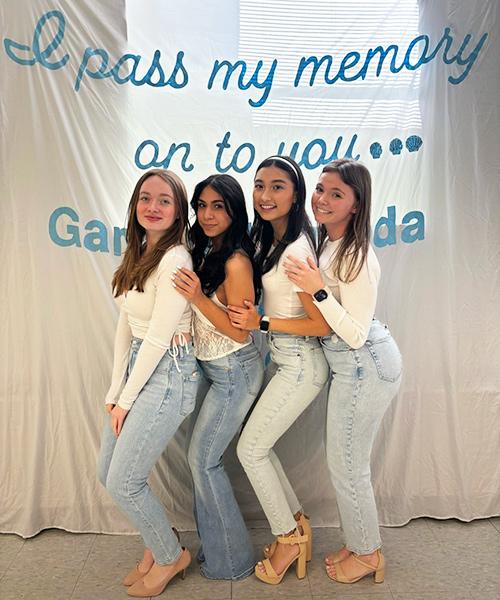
[368, 565]
[295, 538]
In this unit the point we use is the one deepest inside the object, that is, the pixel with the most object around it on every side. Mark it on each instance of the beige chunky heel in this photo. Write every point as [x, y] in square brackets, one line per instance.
[305, 525]
[378, 571]
[270, 576]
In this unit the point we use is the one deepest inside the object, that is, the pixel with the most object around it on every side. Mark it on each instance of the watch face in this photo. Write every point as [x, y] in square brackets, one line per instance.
[264, 324]
[320, 295]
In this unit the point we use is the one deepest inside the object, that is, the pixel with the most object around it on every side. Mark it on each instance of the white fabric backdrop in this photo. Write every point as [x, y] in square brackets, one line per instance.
[437, 452]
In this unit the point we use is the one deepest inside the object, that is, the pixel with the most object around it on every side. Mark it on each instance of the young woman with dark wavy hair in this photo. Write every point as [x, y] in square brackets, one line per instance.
[224, 272]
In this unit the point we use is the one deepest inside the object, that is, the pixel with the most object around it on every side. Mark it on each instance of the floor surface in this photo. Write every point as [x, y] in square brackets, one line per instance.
[426, 560]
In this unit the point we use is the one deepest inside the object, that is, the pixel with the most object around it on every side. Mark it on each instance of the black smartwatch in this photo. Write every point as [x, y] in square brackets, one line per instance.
[320, 295]
[264, 324]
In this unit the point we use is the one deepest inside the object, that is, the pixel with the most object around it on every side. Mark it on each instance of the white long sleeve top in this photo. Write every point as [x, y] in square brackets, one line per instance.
[155, 315]
[280, 294]
[349, 307]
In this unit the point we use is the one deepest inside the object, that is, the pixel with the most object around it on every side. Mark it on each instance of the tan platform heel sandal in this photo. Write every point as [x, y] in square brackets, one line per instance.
[378, 571]
[270, 576]
[304, 523]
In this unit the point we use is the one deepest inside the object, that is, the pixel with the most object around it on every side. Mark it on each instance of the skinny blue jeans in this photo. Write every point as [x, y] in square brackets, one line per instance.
[235, 381]
[125, 462]
[301, 373]
[363, 384]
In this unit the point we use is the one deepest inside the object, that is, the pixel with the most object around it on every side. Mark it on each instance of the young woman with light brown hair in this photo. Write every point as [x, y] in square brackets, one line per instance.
[364, 359]
[155, 374]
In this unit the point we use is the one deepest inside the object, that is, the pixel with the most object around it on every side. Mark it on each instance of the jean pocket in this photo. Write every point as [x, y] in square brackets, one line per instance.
[387, 358]
[248, 359]
[333, 343]
[253, 372]
[221, 363]
[189, 388]
[321, 370]
[286, 348]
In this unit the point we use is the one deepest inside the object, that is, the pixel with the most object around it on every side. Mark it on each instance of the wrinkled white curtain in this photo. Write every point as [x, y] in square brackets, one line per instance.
[77, 133]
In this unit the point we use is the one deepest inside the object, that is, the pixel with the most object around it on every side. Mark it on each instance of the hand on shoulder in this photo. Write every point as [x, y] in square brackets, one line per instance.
[306, 275]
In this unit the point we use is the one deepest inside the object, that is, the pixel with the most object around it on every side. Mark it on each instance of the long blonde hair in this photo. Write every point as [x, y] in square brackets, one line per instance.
[137, 266]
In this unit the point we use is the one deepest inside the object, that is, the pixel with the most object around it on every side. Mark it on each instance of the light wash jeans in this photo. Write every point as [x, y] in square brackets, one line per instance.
[125, 462]
[301, 374]
[235, 381]
[363, 384]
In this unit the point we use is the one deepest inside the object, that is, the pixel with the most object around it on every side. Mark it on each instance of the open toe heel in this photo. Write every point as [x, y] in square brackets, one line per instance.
[270, 576]
[305, 525]
[378, 571]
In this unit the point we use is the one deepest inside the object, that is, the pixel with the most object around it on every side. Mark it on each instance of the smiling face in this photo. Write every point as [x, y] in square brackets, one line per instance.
[273, 197]
[333, 203]
[212, 214]
[156, 207]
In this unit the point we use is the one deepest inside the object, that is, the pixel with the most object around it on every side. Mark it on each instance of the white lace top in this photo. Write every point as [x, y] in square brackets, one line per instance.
[209, 343]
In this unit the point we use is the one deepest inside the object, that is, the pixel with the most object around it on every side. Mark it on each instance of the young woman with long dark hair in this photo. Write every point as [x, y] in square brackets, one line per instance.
[364, 358]
[155, 375]
[292, 322]
[224, 272]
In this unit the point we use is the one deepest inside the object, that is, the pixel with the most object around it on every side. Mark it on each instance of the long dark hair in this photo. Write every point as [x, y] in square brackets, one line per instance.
[298, 222]
[136, 266]
[353, 249]
[210, 264]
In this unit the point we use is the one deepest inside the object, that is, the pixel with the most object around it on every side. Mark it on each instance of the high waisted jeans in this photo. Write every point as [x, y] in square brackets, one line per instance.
[235, 381]
[302, 372]
[126, 462]
[363, 384]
